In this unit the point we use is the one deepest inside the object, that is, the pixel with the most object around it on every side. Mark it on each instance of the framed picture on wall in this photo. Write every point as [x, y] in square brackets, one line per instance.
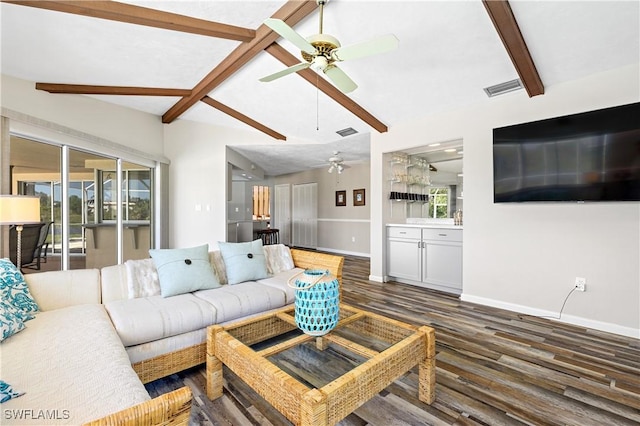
[358, 197]
[341, 198]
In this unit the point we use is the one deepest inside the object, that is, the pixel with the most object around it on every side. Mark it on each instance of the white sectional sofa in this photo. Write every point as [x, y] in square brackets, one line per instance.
[71, 364]
[88, 352]
[166, 335]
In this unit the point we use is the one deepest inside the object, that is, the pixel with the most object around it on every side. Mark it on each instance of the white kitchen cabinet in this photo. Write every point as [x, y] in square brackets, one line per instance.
[428, 257]
[442, 257]
[404, 248]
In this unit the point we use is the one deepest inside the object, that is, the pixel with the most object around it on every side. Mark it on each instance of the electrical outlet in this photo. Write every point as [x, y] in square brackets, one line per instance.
[353, 239]
[581, 284]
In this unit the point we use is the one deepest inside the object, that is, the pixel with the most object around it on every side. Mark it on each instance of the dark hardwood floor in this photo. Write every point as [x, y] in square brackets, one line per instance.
[494, 367]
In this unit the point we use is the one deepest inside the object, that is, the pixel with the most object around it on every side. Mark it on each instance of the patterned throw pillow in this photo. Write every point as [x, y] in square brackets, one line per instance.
[13, 288]
[184, 270]
[7, 392]
[244, 261]
[11, 320]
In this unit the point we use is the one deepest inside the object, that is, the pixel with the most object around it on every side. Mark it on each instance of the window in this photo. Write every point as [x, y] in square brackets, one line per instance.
[136, 195]
[261, 204]
[81, 201]
[438, 203]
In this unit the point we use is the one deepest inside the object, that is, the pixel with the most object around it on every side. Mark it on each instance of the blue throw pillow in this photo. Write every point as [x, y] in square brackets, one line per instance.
[11, 320]
[244, 261]
[7, 392]
[184, 270]
[14, 289]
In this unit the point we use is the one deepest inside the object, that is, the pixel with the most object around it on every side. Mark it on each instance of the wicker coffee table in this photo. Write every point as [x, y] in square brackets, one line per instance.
[364, 354]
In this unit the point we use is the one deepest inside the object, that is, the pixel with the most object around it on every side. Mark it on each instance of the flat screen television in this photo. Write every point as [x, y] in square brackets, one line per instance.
[591, 156]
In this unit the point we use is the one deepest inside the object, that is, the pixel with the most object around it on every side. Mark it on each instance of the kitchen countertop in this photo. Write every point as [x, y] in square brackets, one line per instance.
[426, 225]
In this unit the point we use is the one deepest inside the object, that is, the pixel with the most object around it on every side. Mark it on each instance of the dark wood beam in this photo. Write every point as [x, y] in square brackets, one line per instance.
[131, 14]
[82, 89]
[239, 116]
[505, 23]
[292, 12]
[327, 88]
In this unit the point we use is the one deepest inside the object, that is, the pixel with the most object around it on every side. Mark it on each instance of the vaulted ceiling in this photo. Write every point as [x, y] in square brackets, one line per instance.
[207, 57]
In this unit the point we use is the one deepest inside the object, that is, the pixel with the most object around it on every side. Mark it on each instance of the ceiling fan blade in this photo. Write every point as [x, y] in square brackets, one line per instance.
[289, 33]
[374, 46]
[286, 71]
[340, 79]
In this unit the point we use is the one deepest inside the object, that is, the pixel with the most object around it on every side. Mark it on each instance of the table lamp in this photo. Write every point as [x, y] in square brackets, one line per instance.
[19, 210]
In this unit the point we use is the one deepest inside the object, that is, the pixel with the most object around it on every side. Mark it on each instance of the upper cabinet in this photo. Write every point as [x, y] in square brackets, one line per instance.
[425, 182]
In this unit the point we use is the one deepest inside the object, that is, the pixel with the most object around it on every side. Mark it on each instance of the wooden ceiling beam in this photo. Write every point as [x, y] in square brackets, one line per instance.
[241, 117]
[122, 12]
[505, 23]
[327, 88]
[82, 89]
[292, 12]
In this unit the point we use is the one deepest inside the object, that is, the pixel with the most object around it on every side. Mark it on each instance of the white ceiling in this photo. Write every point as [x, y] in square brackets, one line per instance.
[449, 51]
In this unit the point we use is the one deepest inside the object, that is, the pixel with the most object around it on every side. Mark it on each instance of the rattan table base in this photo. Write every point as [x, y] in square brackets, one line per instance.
[405, 347]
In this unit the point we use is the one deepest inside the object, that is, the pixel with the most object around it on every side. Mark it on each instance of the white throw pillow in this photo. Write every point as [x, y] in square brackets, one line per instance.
[278, 257]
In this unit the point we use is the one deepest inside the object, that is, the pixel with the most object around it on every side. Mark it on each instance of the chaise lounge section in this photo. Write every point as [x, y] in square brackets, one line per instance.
[71, 365]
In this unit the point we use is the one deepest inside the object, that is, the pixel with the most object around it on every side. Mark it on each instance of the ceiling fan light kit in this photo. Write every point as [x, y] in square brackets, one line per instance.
[335, 163]
[321, 51]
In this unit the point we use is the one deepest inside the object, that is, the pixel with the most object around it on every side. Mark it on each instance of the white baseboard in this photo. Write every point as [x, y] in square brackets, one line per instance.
[568, 319]
[350, 253]
[376, 279]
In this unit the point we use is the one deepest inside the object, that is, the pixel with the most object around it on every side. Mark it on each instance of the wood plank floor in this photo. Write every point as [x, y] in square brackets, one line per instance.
[494, 367]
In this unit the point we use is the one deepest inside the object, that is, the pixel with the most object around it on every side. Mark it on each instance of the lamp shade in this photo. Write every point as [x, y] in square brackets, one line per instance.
[19, 209]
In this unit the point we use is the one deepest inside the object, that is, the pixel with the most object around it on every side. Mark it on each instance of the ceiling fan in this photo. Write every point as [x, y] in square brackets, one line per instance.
[335, 163]
[322, 51]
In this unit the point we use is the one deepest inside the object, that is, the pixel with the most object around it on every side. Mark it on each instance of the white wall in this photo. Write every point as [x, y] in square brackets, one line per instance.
[198, 179]
[525, 257]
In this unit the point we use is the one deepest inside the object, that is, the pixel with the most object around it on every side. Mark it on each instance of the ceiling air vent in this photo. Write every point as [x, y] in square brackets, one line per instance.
[346, 132]
[502, 88]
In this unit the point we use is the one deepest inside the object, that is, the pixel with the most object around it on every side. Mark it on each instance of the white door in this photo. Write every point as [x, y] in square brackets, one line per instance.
[282, 212]
[305, 215]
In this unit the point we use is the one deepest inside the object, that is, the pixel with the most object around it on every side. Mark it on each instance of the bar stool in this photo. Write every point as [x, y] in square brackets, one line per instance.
[269, 236]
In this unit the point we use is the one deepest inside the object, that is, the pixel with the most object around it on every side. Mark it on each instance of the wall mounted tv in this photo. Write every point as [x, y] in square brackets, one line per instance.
[592, 156]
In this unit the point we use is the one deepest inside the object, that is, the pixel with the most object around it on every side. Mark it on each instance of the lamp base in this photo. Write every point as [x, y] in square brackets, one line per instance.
[19, 229]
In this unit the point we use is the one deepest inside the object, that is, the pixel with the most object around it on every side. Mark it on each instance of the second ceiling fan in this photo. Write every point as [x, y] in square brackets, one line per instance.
[321, 51]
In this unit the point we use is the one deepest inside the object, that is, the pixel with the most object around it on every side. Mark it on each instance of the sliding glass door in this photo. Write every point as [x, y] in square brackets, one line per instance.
[100, 206]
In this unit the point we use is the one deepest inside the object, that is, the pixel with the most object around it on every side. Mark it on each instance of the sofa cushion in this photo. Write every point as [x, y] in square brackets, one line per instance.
[281, 282]
[236, 301]
[149, 350]
[184, 270]
[155, 317]
[13, 288]
[60, 289]
[278, 257]
[69, 361]
[243, 261]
